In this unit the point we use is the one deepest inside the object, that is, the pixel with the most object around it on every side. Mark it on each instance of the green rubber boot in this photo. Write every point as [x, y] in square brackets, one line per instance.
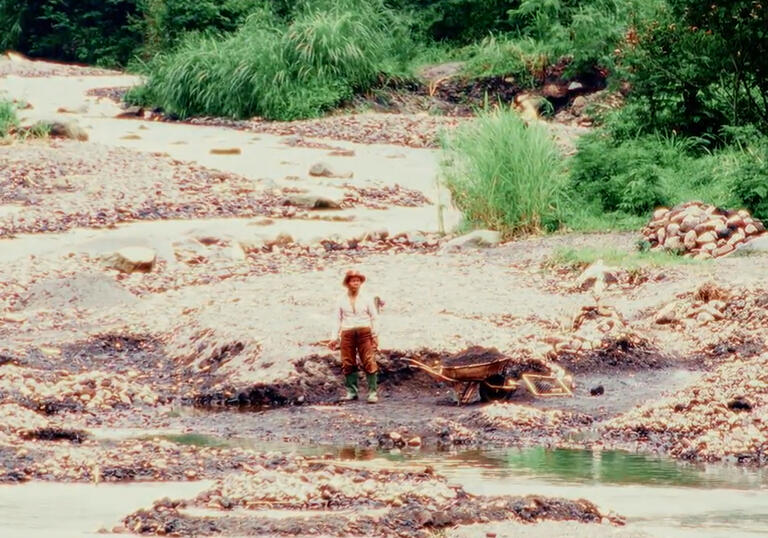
[373, 386]
[350, 382]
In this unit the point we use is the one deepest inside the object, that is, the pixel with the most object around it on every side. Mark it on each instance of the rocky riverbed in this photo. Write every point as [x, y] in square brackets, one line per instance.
[222, 332]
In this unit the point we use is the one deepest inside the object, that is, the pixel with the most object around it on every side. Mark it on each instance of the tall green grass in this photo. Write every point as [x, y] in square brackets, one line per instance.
[505, 175]
[8, 119]
[281, 70]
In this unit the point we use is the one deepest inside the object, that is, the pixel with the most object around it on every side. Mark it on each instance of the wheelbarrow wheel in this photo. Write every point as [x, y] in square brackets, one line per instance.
[490, 394]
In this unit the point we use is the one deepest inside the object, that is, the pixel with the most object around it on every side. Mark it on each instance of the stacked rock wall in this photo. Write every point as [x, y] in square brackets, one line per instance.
[701, 230]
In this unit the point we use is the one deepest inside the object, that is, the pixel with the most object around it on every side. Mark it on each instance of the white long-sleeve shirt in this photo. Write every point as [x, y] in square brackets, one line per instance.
[363, 314]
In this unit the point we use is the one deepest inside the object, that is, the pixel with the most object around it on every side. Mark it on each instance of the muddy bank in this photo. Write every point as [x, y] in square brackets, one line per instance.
[221, 345]
[296, 498]
[721, 417]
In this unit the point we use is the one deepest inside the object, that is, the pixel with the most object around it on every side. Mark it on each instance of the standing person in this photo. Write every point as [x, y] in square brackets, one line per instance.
[355, 316]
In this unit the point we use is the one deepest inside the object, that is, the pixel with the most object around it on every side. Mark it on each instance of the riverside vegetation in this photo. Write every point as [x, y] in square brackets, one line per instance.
[692, 126]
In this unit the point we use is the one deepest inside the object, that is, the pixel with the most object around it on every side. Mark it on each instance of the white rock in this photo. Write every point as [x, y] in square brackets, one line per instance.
[478, 238]
[758, 244]
[322, 169]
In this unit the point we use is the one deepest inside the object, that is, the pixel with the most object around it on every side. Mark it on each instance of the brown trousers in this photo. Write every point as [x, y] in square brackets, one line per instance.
[354, 342]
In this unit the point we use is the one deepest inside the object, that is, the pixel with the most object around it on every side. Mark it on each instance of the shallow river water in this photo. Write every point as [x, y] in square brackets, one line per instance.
[658, 497]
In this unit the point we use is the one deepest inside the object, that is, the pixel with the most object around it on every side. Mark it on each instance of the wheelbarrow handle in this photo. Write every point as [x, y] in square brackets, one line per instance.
[430, 371]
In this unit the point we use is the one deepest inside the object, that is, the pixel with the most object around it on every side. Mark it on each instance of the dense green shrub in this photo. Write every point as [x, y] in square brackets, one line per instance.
[635, 175]
[91, 31]
[695, 67]
[673, 85]
[632, 176]
[522, 59]
[504, 175]
[744, 166]
[461, 21]
[584, 35]
[586, 32]
[166, 21]
[739, 30]
[280, 70]
[111, 32]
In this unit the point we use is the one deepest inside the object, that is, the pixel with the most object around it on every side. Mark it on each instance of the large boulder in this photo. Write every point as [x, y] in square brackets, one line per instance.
[132, 260]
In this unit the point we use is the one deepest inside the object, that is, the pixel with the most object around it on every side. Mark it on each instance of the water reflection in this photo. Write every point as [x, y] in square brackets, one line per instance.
[607, 467]
[557, 466]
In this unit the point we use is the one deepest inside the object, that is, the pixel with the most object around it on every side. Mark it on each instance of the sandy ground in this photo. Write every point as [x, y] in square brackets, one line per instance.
[234, 321]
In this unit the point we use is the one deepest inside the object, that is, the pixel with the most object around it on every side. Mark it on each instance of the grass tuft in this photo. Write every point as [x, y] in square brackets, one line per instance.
[505, 175]
[8, 119]
[579, 258]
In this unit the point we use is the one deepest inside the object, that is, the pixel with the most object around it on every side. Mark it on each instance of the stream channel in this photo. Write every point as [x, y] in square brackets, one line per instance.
[658, 496]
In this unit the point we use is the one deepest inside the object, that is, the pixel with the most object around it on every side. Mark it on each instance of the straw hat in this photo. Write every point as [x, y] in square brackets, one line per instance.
[352, 274]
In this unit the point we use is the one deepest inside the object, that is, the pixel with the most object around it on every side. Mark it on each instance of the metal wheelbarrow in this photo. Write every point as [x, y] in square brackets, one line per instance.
[488, 379]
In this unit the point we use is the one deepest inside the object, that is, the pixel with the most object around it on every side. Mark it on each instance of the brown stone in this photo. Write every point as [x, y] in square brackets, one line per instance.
[673, 243]
[660, 213]
[708, 237]
[689, 241]
[133, 260]
[661, 235]
[226, 151]
[555, 91]
[688, 223]
[723, 250]
[667, 314]
[750, 229]
[673, 229]
[708, 247]
[282, 240]
[579, 105]
[342, 153]
[737, 237]
[678, 217]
